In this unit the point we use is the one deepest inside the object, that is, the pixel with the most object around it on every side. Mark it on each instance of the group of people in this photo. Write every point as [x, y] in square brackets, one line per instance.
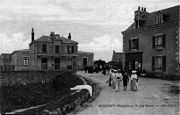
[118, 77]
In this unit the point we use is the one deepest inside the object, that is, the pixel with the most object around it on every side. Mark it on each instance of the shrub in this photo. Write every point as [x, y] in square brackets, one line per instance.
[66, 79]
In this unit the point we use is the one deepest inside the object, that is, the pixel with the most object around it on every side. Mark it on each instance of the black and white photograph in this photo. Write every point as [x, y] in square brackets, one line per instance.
[90, 57]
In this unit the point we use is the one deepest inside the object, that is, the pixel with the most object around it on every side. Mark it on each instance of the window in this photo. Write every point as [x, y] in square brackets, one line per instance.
[26, 61]
[44, 48]
[57, 49]
[134, 44]
[70, 49]
[159, 18]
[85, 61]
[139, 23]
[69, 64]
[159, 63]
[159, 41]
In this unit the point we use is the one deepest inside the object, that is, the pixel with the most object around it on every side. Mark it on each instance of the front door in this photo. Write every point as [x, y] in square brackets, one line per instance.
[134, 61]
[134, 65]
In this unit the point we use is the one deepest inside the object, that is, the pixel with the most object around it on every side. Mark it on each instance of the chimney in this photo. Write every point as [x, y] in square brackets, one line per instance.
[144, 9]
[139, 8]
[32, 35]
[69, 36]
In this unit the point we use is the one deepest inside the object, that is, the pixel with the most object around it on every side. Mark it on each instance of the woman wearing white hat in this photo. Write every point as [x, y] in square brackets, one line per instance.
[118, 80]
[134, 81]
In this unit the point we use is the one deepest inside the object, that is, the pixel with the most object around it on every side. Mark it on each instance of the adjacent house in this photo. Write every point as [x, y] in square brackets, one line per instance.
[117, 61]
[152, 42]
[47, 53]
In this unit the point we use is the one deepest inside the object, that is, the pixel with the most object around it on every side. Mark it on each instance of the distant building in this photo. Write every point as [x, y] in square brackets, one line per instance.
[84, 59]
[117, 60]
[47, 53]
[152, 42]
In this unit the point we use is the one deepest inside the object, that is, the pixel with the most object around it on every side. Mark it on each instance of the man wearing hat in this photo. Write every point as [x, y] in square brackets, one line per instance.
[134, 81]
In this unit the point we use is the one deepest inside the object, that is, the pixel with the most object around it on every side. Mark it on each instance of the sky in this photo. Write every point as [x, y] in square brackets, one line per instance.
[95, 24]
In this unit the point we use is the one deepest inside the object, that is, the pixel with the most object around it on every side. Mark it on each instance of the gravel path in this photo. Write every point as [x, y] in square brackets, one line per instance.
[154, 96]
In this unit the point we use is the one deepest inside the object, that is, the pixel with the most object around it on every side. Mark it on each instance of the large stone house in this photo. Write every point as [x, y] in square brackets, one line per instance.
[47, 53]
[152, 42]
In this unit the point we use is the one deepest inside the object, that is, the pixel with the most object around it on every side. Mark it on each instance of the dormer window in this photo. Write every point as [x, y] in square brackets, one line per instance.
[159, 18]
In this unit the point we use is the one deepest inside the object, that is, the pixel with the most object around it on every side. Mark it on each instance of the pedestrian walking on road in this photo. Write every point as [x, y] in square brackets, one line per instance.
[113, 78]
[118, 78]
[110, 77]
[109, 81]
[125, 80]
[134, 81]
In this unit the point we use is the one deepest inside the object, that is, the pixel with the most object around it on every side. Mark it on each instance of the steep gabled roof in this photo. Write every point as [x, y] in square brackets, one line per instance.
[172, 14]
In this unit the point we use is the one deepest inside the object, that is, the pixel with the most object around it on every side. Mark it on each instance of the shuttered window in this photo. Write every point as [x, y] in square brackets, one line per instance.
[159, 41]
[159, 63]
[134, 44]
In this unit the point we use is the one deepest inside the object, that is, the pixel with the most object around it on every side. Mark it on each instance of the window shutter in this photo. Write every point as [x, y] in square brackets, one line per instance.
[164, 41]
[137, 43]
[153, 63]
[164, 63]
[129, 45]
[153, 42]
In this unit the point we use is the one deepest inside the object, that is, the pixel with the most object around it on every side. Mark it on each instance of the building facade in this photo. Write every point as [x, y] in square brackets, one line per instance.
[117, 61]
[152, 42]
[47, 53]
[84, 59]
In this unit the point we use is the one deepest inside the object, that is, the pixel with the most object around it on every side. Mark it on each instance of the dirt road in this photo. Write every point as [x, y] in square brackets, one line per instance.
[155, 96]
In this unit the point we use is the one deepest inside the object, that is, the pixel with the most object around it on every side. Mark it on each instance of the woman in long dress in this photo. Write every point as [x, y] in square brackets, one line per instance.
[134, 81]
[110, 77]
[118, 80]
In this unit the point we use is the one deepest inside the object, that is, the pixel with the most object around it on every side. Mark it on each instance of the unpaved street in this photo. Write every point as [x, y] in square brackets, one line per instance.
[157, 97]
